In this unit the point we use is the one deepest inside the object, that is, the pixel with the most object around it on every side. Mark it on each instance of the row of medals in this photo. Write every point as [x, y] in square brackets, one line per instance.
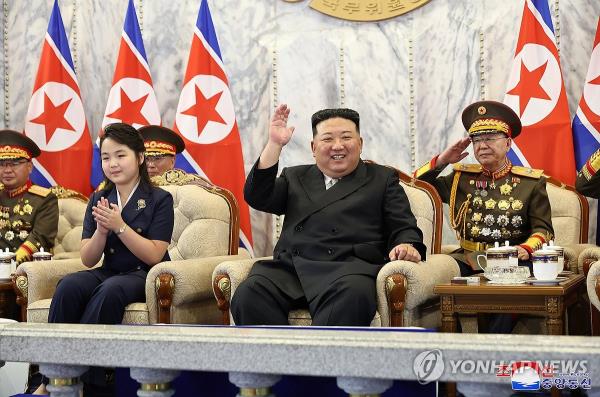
[479, 202]
[5, 222]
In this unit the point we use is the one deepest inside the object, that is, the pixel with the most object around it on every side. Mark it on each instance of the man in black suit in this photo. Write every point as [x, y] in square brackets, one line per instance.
[344, 219]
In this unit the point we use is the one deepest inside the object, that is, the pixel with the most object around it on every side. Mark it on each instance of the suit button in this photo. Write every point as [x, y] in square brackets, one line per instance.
[295, 252]
[112, 250]
[138, 230]
[330, 251]
[299, 228]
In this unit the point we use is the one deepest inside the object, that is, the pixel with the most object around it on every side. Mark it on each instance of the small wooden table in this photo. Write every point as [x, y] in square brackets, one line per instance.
[546, 300]
[8, 301]
[550, 301]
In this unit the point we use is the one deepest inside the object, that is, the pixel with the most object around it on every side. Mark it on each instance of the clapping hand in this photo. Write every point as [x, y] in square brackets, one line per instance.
[107, 216]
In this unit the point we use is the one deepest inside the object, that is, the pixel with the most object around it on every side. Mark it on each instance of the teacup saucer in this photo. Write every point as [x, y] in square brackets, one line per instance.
[546, 282]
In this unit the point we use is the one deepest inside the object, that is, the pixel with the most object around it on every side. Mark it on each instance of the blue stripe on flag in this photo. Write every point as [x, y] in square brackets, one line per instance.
[544, 10]
[97, 175]
[584, 142]
[56, 30]
[132, 30]
[206, 27]
[512, 156]
[183, 164]
[39, 179]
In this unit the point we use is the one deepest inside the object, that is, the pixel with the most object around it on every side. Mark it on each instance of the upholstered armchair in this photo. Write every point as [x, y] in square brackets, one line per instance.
[593, 288]
[71, 208]
[404, 289]
[206, 232]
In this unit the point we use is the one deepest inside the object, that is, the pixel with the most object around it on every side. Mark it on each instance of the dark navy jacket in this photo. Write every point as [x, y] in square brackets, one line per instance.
[149, 212]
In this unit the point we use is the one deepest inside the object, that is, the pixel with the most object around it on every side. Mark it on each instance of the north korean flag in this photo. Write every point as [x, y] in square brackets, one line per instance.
[206, 120]
[131, 99]
[55, 118]
[536, 92]
[586, 123]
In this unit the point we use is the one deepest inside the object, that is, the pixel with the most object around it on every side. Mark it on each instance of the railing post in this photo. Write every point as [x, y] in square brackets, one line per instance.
[251, 384]
[64, 379]
[363, 387]
[154, 382]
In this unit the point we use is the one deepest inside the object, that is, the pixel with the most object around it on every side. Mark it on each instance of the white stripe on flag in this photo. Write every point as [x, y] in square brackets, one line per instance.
[136, 53]
[210, 49]
[194, 165]
[540, 20]
[43, 171]
[61, 59]
[246, 243]
[520, 155]
[586, 123]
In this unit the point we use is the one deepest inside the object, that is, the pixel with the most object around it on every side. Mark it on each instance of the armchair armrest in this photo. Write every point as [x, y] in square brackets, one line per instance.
[450, 248]
[593, 286]
[587, 257]
[181, 282]
[37, 280]
[226, 277]
[403, 285]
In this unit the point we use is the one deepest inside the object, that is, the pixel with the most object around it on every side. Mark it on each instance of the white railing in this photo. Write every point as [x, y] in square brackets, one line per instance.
[365, 362]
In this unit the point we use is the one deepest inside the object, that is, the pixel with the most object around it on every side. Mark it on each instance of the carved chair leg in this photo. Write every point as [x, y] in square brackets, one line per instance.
[222, 290]
[165, 288]
[395, 288]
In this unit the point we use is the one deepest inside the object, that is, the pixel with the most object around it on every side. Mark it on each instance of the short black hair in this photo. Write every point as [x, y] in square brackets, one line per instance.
[326, 114]
[126, 135]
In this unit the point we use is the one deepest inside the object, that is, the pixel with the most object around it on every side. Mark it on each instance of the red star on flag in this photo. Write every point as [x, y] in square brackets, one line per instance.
[130, 111]
[204, 110]
[53, 117]
[529, 86]
[595, 81]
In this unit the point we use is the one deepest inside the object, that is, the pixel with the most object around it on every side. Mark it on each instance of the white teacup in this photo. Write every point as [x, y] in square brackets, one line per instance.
[545, 265]
[5, 265]
[497, 256]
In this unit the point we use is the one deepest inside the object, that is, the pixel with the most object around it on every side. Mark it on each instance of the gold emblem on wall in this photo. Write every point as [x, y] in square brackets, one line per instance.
[364, 10]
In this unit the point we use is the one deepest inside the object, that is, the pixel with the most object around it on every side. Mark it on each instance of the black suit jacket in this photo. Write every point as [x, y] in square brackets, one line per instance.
[348, 229]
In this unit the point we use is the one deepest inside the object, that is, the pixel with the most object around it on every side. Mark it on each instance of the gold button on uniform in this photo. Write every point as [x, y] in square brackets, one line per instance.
[139, 230]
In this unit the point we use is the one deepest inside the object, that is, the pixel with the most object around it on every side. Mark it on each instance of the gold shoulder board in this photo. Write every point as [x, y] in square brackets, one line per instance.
[39, 190]
[467, 167]
[529, 172]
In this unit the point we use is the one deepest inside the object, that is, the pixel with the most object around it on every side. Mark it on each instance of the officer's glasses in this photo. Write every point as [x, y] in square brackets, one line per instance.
[156, 159]
[12, 164]
[488, 140]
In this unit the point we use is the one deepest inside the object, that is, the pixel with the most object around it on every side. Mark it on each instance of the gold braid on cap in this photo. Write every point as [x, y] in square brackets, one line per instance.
[157, 148]
[8, 152]
[489, 125]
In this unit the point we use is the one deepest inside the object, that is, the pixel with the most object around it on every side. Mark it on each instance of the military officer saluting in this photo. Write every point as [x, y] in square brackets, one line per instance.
[28, 213]
[588, 179]
[162, 144]
[493, 200]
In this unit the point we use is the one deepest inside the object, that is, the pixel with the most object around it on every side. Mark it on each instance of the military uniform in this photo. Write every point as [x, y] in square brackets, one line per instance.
[28, 213]
[588, 179]
[510, 204]
[28, 218]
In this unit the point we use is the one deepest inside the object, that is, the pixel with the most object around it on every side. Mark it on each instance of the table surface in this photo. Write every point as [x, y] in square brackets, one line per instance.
[487, 288]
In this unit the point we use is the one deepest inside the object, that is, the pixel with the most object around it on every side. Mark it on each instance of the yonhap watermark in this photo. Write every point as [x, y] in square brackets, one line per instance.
[429, 366]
